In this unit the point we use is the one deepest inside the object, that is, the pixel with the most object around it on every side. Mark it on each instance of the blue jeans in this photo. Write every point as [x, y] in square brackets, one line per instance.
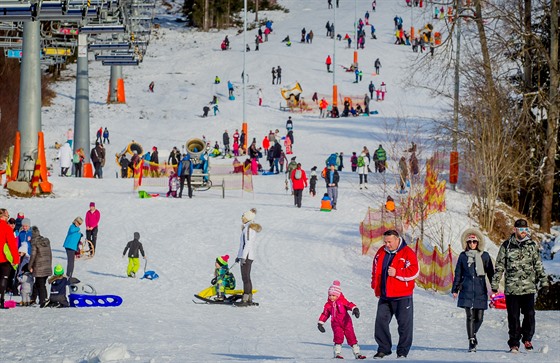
[276, 160]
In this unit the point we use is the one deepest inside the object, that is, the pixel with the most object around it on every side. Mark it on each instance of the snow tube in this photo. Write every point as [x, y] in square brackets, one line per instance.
[91, 301]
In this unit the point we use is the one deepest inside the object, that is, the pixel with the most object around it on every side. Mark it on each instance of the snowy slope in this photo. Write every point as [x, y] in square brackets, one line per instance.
[300, 251]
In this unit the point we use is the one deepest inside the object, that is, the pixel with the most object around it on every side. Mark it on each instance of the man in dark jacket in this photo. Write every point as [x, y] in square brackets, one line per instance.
[225, 139]
[174, 156]
[277, 154]
[331, 178]
[124, 166]
[134, 248]
[97, 156]
[185, 172]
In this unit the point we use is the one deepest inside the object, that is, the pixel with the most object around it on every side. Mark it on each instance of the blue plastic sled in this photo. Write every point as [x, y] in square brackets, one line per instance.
[150, 275]
[266, 172]
[92, 301]
[232, 98]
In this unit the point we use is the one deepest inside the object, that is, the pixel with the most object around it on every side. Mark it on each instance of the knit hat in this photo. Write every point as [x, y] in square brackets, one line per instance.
[24, 247]
[20, 215]
[520, 223]
[314, 168]
[26, 222]
[335, 288]
[79, 220]
[58, 270]
[250, 215]
[92, 204]
[222, 260]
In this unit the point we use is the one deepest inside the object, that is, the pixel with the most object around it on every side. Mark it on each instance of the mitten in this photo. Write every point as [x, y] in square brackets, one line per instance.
[321, 327]
[214, 280]
[356, 312]
[237, 259]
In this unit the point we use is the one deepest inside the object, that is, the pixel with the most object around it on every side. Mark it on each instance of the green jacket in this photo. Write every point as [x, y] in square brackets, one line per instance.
[521, 264]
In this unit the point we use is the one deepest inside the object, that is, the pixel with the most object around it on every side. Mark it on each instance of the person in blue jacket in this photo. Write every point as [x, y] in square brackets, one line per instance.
[473, 265]
[25, 234]
[230, 88]
[185, 171]
[71, 244]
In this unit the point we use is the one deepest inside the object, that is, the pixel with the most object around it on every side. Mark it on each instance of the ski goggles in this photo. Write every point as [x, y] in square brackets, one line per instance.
[523, 229]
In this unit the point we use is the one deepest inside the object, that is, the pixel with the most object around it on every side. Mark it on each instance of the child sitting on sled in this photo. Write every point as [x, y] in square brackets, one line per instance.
[337, 308]
[326, 203]
[223, 279]
[57, 298]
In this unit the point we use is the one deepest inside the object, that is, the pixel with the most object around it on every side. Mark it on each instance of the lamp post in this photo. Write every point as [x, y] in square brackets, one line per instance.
[335, 88]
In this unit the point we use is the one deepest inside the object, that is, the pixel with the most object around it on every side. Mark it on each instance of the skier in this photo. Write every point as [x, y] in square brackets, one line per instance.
[337, 308]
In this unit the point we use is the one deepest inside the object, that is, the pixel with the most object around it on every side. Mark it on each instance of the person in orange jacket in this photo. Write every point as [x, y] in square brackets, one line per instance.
[326, 203]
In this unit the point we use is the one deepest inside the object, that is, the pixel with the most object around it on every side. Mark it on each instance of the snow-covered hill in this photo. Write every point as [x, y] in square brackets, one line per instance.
[300, 251]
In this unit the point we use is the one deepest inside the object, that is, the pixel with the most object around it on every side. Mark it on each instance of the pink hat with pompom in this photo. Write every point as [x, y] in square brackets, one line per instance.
[335, 288]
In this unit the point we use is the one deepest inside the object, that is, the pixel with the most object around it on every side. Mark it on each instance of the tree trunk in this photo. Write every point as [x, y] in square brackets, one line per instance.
[527, 45]
[206, 20]
[256, 11]
[552, 122]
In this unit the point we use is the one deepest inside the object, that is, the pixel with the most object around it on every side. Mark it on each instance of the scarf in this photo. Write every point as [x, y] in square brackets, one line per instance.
[476, 257]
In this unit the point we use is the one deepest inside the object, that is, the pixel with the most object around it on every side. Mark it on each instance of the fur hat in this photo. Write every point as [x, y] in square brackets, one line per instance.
[222, 260]
[23, 248]
[473, 233]
[249, 216]
[26, 222]
[334, 289]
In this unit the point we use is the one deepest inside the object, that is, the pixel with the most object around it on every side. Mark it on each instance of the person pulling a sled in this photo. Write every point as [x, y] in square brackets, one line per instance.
[337, 308]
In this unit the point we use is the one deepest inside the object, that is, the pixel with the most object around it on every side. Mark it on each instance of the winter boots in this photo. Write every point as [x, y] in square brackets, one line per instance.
[356, 351]
[472, 345]
[337, 350]
[220, 296]
[2, 304]
[246, 301]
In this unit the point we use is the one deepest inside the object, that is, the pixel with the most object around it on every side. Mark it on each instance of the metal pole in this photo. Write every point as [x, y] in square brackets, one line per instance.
[456, 91]
[29, 122]
[356, 23]
[244, 57]
[334, 50]
[81, 112]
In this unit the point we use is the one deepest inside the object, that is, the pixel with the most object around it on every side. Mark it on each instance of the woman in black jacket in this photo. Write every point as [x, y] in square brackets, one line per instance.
[473, 265]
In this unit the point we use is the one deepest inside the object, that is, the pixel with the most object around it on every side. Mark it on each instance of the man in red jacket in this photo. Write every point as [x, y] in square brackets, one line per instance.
[395, 267]
[299, 182]
[9, 256]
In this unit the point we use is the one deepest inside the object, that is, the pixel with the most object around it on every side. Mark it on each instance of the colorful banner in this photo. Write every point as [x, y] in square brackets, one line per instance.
[436, 268]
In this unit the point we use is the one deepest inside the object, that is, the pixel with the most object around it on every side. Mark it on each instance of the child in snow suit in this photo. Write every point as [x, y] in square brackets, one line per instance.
[173, 185]
[25, 278]
[313, 181]
[134, 247]
[57, 298]
[326, 203]
[223, 279]
[337, 308]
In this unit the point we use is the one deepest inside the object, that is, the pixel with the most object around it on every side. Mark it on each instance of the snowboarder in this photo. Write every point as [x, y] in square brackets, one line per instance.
[134, 249]
[337, 308]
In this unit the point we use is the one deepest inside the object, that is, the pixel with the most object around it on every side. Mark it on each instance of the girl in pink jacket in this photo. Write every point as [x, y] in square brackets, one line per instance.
[337, 308]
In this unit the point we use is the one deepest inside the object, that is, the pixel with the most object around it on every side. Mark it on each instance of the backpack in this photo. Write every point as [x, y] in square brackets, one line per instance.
[324, 173]
[332, 159]
[76, 159]
[229, 280]
[185, 166]
[361, 161]
[298, 174]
